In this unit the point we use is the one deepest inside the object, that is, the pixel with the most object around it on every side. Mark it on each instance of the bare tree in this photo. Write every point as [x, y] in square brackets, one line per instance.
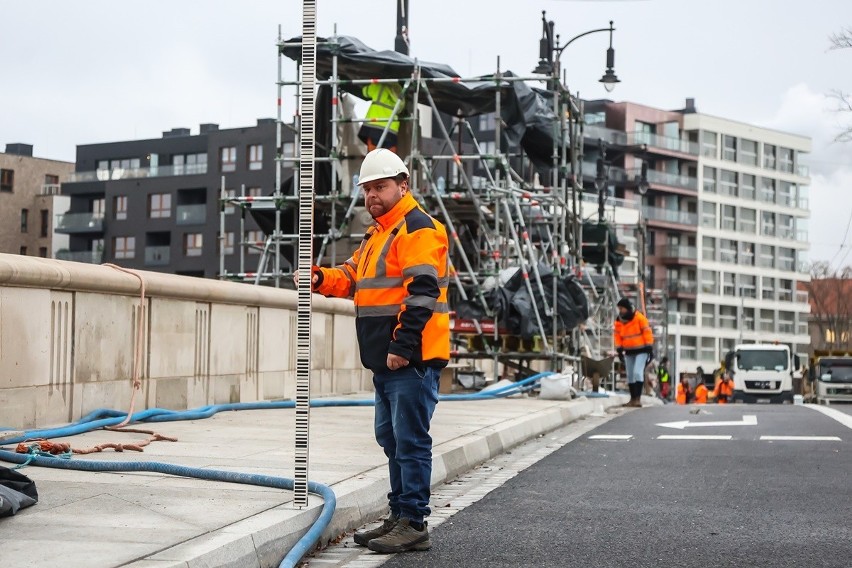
[842, 40]
[830, 292]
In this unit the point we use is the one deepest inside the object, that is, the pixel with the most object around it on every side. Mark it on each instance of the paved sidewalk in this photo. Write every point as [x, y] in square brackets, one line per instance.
[143, 520]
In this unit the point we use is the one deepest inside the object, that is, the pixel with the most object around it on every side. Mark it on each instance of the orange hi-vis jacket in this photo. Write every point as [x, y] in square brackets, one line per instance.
[398, 279]
[634, 336]
[724, 391]
[682, 394]
[700, 393]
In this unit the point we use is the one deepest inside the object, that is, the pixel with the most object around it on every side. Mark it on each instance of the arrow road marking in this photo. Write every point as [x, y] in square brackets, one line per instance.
[748, 420]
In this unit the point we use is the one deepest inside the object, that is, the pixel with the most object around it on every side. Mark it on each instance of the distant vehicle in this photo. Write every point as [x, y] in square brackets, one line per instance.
[832, 373]
[762, 373]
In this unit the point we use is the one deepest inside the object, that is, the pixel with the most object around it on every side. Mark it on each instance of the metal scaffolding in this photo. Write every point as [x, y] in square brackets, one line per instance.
[498, 221]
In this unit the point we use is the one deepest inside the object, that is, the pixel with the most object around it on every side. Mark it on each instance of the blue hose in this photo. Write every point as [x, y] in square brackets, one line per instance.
[107, 417]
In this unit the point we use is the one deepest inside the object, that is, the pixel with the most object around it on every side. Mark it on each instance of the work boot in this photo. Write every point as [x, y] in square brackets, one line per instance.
[632, 390]
[640, 388]
[402, 538]
[364, 537]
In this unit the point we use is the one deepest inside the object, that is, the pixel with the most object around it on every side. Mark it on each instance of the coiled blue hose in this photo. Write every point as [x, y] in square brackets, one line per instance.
[106, 417]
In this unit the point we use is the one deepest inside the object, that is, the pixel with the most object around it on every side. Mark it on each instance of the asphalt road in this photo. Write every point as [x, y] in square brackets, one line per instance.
[647, 501]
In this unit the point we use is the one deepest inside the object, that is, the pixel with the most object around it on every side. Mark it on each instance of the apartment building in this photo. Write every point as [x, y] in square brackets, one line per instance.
[29, 195]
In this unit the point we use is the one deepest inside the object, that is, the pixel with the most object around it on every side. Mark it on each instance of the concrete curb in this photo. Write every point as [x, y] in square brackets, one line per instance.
[261, 540]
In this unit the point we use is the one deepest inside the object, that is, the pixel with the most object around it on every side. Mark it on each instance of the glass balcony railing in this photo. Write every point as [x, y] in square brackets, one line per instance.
[51, 189]
[608, 135]
[87, 256]
[685, 319]
[670, 216]
[682, 287]
[803, 170]
[680, 252]
[80, 223]
[157, 256]
[801, 296]
[663, 142]
[191, 214]
[666, 178]
[136, 173]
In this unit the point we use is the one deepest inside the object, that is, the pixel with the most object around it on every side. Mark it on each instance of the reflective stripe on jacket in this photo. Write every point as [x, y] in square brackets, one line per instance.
[634, 336]
[398, 279]
[383, 97]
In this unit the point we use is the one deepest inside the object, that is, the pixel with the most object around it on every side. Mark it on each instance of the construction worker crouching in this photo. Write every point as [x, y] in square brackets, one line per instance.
[683, 393]
[398, 279]
[724, 391]
[634, 343]
[384, 97]
[701, 392]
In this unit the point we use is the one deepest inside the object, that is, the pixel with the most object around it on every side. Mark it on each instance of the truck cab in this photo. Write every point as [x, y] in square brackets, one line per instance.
[833, 377]
[762, 373]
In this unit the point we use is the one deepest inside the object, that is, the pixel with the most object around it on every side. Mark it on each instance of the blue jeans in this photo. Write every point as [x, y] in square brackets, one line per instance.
[636, 367]
[405, 402]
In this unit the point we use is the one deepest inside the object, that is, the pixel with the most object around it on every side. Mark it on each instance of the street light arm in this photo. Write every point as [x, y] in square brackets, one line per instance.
[575, 38]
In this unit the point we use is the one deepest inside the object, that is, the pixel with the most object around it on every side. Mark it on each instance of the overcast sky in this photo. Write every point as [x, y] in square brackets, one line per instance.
[97, 71]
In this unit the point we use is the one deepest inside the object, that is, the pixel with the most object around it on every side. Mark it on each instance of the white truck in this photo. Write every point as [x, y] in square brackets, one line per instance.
[832, 374]
[762, 373]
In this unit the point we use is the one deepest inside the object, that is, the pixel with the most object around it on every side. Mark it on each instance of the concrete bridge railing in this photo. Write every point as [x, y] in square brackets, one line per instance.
[68, 342]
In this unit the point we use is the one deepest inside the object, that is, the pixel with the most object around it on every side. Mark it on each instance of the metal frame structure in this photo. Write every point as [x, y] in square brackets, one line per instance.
[511, 221]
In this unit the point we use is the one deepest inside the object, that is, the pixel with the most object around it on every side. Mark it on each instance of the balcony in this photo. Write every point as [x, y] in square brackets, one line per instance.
[157, 256]
[80, 223]
[682, 287]
[802, 170]
[670, 216]
[685, 319]
[191, 214]
[802, 297]
[87, 256]
[137, 173]
[608, 135]
[678, 253]
[51, 189]
[663, 142]
[668, 179]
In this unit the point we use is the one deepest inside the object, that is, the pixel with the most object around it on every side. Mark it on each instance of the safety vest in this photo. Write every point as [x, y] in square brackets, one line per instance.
[634, 336]
[701, 394]
[663, 374]
[724, 391]
[398, 279]
[682, 394]
[383, 97]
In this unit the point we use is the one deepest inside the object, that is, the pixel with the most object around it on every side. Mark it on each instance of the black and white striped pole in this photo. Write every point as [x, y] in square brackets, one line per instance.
[306, 253]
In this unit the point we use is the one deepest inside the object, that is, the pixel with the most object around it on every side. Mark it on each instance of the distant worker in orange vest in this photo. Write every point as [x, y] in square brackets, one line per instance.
[634, 343]
[682, 391]
[701, 391]
[724, 391]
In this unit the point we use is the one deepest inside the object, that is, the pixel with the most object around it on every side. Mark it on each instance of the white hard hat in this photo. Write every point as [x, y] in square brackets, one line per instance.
[379, 164]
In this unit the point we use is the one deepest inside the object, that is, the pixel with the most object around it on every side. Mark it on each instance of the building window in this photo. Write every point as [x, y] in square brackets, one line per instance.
[709, 180]
[124, 247]
[51, 185]
[748, 152]
[229, 243]
[748, 286]
[708, 316]
[769, 156]
[159, 205]
[786, 194]
[748, 319]
[785, 228]
[747, 254]
[748, 220]
[192, 244]
[708, 349]
[729, 284]
[45, 223]
[229, 205]
[785, 290]
[255, 157]
[120, 204]
[189, 164]
[747, 186]
[708, 144]
[254, 192]
[98, 208]
[25, 220]
[785, 160]
[767, 190]
[708, 214]
[729, 218]
[728, 183]
[767, 287]
[288, 150]
[728, 251]
[42, 252]
[728, 316]
[7, 181]
[255, 242]
[23, 251]
[766, 258]
[767, 224]
[710, 282]
[487, 121]
[708, 248]
[729, 148]
[228, 159]
[786, 258]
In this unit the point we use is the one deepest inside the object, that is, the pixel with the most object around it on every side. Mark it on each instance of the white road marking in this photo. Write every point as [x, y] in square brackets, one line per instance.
[841, 417]
[748, 420]
[611, 437]
[692, 437]
[800, 438]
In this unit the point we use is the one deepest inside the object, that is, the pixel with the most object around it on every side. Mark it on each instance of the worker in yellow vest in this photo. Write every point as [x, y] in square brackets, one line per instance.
[383, 97]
